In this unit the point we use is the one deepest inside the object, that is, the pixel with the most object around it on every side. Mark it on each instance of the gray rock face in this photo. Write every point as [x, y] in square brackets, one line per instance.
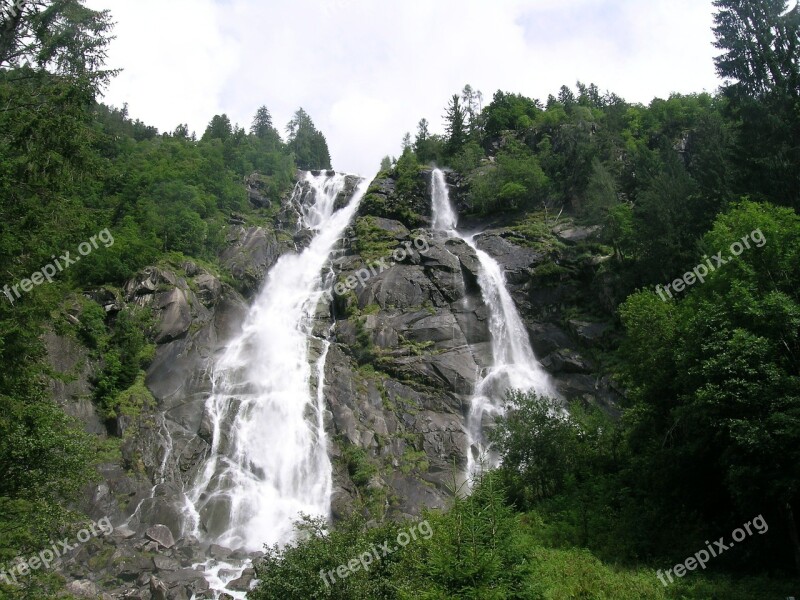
[74, 391]
[406, 405]
[258, 190]
[590, 334]
[412, 208]
[350, 184]
[250, 253]
[516, 260]
[171, 299]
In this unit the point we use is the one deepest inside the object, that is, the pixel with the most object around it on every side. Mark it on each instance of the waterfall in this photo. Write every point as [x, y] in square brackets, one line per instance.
[514, 365]
[269, 461]
[444, 217]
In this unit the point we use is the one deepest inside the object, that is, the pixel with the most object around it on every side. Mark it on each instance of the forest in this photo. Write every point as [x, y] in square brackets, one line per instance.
[592, 505]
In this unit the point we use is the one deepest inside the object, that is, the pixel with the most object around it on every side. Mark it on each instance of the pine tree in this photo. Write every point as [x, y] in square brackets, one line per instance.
[263, 128]
[308, 144]
[422, 146]
[472, 100]
[63, 37]
[219, 128]
[566, 97]
[456, 127]
[761, 43]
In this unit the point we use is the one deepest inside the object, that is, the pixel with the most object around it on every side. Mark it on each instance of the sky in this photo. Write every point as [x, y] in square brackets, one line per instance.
[368, 70]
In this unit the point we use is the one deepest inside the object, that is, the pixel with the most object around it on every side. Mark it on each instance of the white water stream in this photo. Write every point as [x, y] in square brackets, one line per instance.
[514, 364]
[269, 460]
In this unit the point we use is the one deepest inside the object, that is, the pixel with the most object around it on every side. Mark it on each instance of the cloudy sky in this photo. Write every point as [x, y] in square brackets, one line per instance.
[368, 70]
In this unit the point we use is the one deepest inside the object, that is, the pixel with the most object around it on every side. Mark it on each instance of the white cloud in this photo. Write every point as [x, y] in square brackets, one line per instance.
[368, 70]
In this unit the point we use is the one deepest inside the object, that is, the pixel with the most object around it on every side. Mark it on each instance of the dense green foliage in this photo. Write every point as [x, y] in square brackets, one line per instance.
[478, 549]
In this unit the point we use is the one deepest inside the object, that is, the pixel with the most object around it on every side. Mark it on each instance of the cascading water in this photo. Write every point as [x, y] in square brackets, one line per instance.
[268, 460]
[444, 217]
[514, 363]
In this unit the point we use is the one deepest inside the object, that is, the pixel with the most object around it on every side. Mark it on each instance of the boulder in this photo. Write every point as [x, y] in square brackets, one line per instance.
[83, 589]
[209, 289]
[572, 234]
[160, 534]
[158, 589]
[242, 584]
[166, 563]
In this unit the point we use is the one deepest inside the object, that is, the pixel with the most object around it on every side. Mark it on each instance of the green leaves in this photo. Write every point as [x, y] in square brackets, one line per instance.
[515, 181]
[715, 376]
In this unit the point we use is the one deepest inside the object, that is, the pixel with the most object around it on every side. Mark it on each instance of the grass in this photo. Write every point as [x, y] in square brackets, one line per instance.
[372, 242]
[575, 573]
[531, 231]
[567, 574]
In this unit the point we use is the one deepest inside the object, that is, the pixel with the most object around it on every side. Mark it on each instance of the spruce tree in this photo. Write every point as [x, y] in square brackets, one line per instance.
[761, 44]
[455, 128]
[307, 143]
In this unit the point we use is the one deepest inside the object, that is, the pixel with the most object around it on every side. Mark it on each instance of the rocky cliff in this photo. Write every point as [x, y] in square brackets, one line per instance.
[409, 340]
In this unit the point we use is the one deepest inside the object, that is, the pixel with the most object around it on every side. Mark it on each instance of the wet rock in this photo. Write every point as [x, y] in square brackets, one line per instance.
[161, 509]
[191, 553]
[548, 337]
[250, 253]
[242, 584]
[517, 261]
[219, 552]
[161, 534]
[350, 184]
